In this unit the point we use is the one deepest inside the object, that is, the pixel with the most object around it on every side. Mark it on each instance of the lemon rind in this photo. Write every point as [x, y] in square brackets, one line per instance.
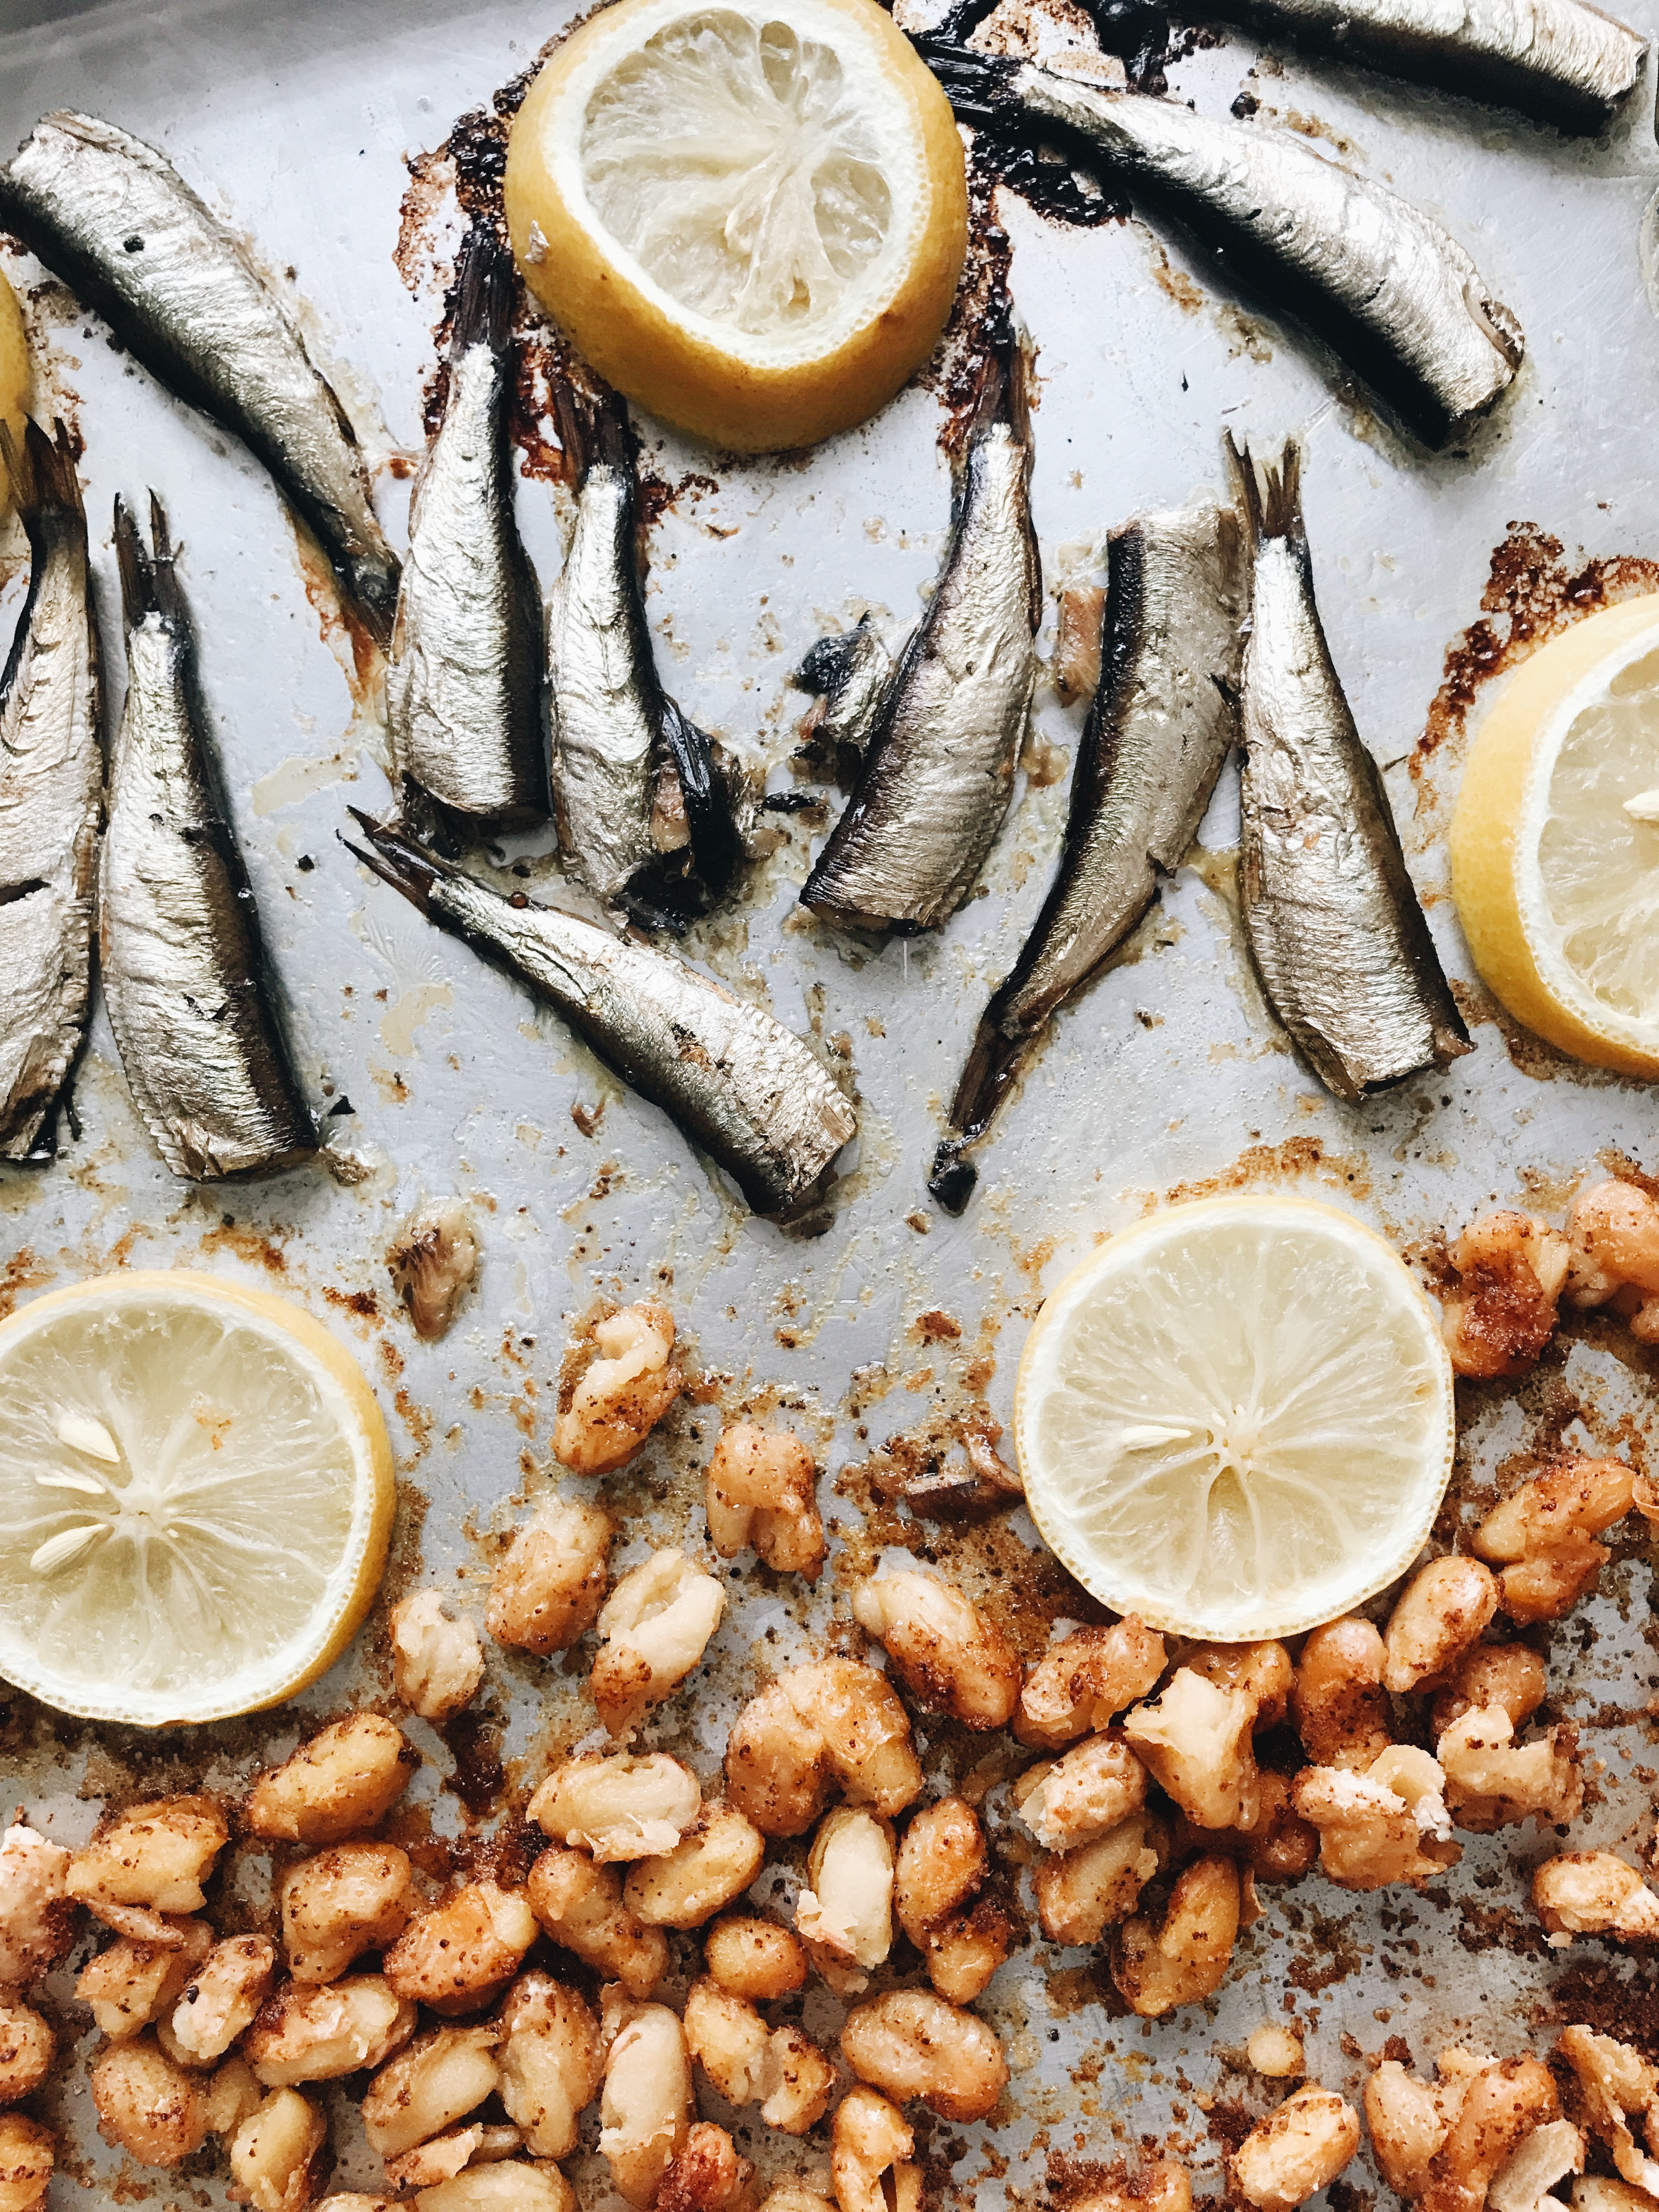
[1291, 1620]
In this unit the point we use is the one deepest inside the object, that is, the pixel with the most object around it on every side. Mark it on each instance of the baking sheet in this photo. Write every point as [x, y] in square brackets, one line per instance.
[300, 117]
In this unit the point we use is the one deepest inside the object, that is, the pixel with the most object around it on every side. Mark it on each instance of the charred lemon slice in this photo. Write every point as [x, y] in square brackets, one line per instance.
[750, 219]
[195, 1496]
[1235, 1419]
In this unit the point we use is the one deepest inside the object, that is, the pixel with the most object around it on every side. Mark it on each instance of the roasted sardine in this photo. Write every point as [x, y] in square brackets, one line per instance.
[1339, 936]
[939, 767]
[114, 219]
[1397, 298]
[184, 977]
[645, 805]
[466, 682]
[51, 789]
[1164, 721]
[1564, 63]
[737, 1083]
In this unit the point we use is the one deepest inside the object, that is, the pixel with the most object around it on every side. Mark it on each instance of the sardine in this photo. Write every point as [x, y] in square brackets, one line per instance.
[1164, 719]
[644, 804]
[52, 790]
[847, 676]
[114, 219]
[938, 769]
[466, 684]
[1397, 298]
[739, 1084]
[184, 977]
[1340, 939]
[1564, 63]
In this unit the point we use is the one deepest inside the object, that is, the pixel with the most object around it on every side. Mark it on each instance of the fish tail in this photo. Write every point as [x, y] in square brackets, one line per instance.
[407, 867]
[42, 471]
[1270, 492]
[988, 1072]
[483, 290]
[593, 428]
[149, 581]
[979, 87]
[1004, 374]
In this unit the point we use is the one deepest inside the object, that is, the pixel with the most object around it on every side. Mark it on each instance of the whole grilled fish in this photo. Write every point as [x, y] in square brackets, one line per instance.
[466, 683]
[1344, 952]
[1164, 719]
[1565, 63]
[939, 767]
[644, 806]
[847, 675]
[737, 1083]
[114, 219]
[52, 788]
[1397, 298]
[201, 1041]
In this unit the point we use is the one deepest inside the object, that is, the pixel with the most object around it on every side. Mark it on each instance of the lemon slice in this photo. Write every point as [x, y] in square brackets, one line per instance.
[1235, 1419]
[15, 377]
[1555, 841]
[195, 1496]
[749, 218]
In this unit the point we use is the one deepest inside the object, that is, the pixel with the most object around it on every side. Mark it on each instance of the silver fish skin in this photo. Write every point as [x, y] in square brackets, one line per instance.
[644, 809]
[1164, 719]
[939, 771]
[1335, 923]
[185, 975]
[1395, 296]
[467, 678]
[51, 793]
[739, 1085]
[847, 675]
[114, 219]
[1562, 62]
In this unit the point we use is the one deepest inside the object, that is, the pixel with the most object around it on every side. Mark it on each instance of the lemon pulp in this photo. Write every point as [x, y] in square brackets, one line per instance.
[751, 218]
[196, 1494]
[1236, 1419]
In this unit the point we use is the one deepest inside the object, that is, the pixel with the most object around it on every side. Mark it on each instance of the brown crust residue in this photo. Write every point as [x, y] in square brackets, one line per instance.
[1532, 593]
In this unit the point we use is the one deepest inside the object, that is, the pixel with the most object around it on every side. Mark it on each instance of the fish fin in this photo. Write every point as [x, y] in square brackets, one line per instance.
[408, 867]
[42, 471]
[484, 287]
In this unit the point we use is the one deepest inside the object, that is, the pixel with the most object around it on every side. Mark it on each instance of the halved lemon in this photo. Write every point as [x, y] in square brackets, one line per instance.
[1235, 1419]
[16, 378]
[196, 1496]
[751, 218]
[1555, 841]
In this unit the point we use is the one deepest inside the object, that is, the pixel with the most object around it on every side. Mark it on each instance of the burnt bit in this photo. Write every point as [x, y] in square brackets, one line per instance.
[1532, 593]
[475, 1744]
